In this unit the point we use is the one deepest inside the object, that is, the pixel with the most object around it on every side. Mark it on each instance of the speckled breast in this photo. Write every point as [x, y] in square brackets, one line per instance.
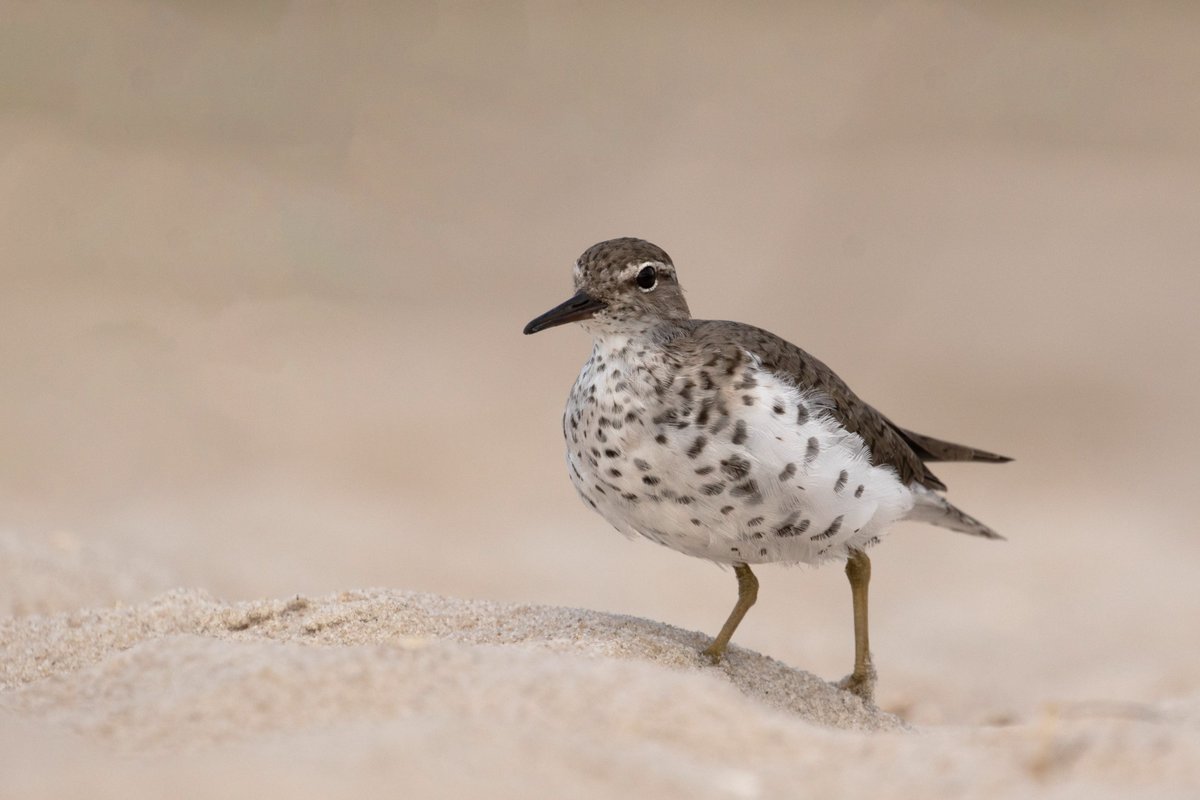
[721, 459]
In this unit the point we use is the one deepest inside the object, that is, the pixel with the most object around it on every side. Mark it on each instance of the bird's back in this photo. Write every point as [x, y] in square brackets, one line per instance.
[886, 442]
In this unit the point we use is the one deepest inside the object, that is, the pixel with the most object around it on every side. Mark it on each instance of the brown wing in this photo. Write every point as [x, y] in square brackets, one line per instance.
[887, 443]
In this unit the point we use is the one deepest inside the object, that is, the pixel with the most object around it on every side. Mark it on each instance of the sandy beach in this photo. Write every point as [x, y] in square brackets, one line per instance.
[371, 690]
[283, 507]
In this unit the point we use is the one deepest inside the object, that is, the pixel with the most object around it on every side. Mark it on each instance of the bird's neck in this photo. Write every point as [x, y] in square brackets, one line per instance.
[643, 332]
[640, 352]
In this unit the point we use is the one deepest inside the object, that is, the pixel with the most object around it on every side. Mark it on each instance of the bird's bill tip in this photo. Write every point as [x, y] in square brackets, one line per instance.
[580, 307]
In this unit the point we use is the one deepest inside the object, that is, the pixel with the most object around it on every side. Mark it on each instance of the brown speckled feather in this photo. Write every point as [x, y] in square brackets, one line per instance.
[887, 443]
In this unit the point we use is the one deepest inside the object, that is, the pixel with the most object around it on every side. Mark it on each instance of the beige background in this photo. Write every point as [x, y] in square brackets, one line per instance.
[265, 268]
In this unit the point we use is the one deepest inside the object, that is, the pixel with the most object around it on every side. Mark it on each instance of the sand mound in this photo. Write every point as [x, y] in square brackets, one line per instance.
[406, 649]
[385, 690]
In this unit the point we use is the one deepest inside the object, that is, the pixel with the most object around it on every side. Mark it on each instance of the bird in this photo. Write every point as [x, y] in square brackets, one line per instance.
[723, 441]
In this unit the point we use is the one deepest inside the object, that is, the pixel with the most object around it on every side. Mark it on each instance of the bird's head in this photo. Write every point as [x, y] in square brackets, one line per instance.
[621, 286]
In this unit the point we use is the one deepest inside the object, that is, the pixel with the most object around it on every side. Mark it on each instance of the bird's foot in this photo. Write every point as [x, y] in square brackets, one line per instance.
[714, 653]
[861, 682]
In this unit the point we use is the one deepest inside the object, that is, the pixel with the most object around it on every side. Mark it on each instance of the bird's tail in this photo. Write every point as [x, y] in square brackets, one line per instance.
[934, 509]
[928, 448]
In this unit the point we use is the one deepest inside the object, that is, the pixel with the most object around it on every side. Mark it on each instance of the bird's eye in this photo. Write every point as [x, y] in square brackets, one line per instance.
[647, 279]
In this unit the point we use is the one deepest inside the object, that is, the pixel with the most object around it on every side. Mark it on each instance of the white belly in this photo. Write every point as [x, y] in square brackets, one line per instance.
[753, 472]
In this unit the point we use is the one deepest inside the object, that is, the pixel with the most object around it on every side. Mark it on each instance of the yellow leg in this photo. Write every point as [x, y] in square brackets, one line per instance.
[862, 681]
[747, 594]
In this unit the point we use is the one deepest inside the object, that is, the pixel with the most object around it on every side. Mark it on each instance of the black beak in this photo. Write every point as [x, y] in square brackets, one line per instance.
[581, 306]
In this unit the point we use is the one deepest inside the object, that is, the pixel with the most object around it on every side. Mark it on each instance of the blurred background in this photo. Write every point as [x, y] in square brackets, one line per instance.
[265, 268]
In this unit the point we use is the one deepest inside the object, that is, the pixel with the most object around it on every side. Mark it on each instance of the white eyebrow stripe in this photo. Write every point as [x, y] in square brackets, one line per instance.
[637, 266]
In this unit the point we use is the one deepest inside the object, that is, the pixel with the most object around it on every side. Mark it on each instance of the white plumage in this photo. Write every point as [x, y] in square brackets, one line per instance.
[813, 492]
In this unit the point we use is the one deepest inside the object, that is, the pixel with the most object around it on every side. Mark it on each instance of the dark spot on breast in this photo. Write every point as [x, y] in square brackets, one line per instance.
[604, 421]
[660, 439]
[684, 500]
[778, 407]
[641, 464]
[858, 492]
[756, 521]
[735, 468]
[705, 410]
[762, 552]
[832, 530]
[599, 489]
[739, 432]
[650, 480]
[630, 416]
[616, 473]
[814, 447]
[704, 470]
[787, 472]
[793, 529]
[695, 521]
[712, 489]
[726, 509]
[801, 414]
[840, 484]
[697, 447]
[601, 436]
[630, 496]
[747, 399]
[668, 417]
[747, 489]
[611, 453]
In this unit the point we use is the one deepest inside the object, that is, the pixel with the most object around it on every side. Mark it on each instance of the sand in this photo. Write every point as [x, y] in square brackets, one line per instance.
[376, 691]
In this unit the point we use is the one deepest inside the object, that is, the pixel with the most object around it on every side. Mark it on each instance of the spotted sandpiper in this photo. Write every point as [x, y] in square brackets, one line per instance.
[726, 442]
